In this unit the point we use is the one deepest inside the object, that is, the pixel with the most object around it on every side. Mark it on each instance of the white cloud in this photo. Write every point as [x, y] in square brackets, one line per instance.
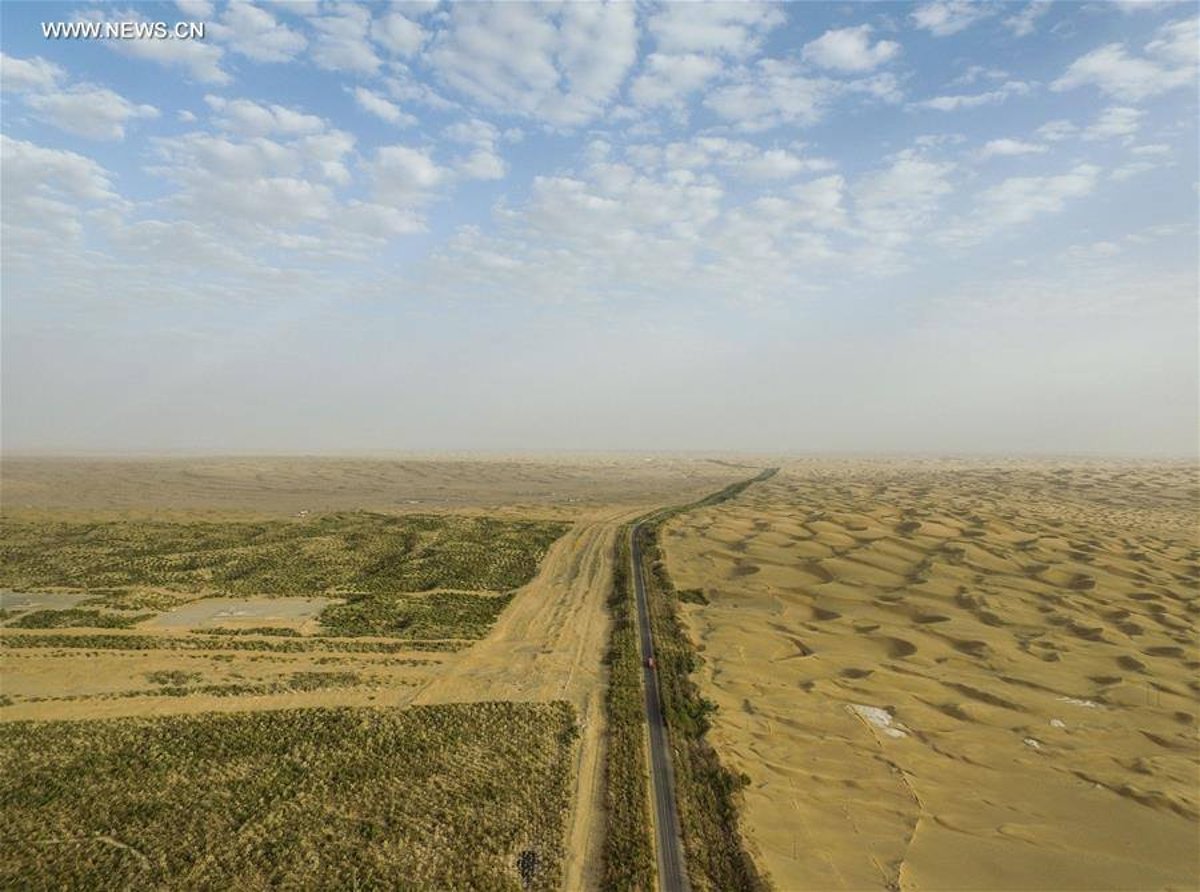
[326, 151]
[1132, 169]
[28, 74]
[398, 34]
[670, 79]
[483, 162]
[779, 164]
[404, 175]
[731, 28]
[1116, 73]
[88, 110]
[46, 192]
[371, 102]
[247, 118]
[1019, 200]
[201, 155]
[883, 86]
[1154, 150]
[1024, 22]
[607, 231]
[976, 73]
[1115, 121]
[1169, 63]
[961, 101]
[735, 157]
[30, 168]
[938, 140]
[1057, 130]
[255, 192]
[201, 60]
[377, 221]
[197, 10]
[771, 93]
[945, 17]
[1092, 251]
[1009, 147]
[1133, 6]
[342, 43]
[562, 65]
[405, 87]
[84, 109]
[896, 202]
[820, 202]
[256, 34]
[1177, 42]
[473, 130]
[849, 49]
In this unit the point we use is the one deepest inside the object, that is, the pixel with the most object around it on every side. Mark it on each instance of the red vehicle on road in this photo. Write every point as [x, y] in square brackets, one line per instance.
[649, 662]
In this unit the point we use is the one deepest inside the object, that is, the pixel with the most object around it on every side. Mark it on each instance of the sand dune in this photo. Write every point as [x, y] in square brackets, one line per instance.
[267, 485]
[956, 677]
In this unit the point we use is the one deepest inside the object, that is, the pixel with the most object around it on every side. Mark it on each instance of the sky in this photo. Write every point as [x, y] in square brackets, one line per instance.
[944, 227]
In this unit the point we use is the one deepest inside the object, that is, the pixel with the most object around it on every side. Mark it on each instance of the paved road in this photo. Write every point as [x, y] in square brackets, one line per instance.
[672, 874]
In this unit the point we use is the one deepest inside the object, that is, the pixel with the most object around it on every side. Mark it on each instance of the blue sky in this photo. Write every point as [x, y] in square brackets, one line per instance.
[937, 227]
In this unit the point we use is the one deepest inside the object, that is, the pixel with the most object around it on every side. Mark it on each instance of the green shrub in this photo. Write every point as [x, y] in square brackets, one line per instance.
[117, 641]
[439, 615]
[433, 797]
[628, 854]
[344, 552]
[76, 618]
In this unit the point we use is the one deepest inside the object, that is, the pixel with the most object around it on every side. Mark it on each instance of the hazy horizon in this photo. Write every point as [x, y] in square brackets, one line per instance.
[935, 228]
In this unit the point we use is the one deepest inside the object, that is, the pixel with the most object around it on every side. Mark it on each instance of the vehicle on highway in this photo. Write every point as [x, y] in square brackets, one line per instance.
[649, 662]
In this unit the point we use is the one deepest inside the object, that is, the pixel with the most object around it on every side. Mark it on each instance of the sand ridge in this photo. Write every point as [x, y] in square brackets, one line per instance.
[964, 677]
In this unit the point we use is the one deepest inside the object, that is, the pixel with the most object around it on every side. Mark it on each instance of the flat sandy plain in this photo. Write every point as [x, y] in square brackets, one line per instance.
[955, 675]
[548, 643]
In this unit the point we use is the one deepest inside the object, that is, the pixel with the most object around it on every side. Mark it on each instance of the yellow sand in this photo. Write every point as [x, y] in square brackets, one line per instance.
[956, 676]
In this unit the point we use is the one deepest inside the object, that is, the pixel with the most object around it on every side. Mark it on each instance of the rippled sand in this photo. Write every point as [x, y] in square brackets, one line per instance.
[957, 676]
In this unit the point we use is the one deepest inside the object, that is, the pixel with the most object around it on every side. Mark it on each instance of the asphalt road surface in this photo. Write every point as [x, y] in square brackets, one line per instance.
[672, 874]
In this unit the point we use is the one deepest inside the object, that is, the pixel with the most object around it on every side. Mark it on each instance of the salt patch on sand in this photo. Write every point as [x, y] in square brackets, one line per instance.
[880, 718]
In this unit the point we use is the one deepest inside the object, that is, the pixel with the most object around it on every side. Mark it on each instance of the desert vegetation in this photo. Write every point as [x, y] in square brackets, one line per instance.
[432, 616]
[435, 797]
[176, 616]
[74, 618]
[347, 552]
[116, 641]
[628, 853]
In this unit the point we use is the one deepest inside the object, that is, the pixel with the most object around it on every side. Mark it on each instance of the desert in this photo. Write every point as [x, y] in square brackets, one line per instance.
[944, 675]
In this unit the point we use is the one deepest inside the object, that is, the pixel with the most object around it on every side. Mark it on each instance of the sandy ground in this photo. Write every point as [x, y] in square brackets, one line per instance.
[47, 683]
[547, 644]
[271, 487]
[24, 601]
[234, 613]
[956, 676]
